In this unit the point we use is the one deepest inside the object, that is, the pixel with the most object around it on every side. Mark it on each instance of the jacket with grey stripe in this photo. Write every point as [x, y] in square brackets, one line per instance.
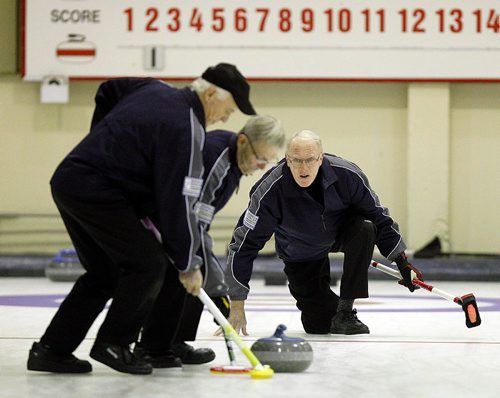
[222, 175]
[222, 178]
[304, 229]
[144, 148]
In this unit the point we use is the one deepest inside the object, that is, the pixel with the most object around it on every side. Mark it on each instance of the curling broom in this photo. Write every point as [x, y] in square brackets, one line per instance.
[258, 371]
[232, 368]
[467, 302]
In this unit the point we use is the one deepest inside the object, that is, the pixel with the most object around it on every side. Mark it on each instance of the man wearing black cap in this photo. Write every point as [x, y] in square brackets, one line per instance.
[143, 155]
[227, 77]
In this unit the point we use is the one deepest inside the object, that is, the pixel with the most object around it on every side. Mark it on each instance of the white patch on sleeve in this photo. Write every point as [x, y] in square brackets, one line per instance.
[192, 186]
[204, 212]
[250, 220]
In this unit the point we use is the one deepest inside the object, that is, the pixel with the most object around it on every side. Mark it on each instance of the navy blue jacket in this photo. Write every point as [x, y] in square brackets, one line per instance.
[144, 148]
[304, 229]
[221, 179]
[221, 167]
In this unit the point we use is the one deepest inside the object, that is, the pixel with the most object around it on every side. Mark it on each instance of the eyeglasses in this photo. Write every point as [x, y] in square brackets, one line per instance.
[299, 162]
[260, 161]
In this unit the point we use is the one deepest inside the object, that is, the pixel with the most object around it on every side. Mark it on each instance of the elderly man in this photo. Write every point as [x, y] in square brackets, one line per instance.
[315, 203]
[226, 156]
[143, 154]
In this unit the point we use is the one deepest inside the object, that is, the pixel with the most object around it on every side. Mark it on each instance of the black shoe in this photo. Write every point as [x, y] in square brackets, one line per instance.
[159, 360]
[44, 359]
[191, 356]
[347, 322]
[120, 359]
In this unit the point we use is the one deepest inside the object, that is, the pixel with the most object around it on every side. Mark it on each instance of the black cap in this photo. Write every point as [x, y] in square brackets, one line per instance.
[229, 78]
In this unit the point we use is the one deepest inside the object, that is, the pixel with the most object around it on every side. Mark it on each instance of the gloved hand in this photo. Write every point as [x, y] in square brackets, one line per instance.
[408, 272]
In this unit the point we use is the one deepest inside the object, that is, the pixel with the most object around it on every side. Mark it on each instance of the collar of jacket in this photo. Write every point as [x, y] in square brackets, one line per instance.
[290, 187]
[194, 101]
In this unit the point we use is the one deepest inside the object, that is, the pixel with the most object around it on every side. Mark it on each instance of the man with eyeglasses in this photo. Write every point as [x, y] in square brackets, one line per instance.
[176, 315]
[315, 204]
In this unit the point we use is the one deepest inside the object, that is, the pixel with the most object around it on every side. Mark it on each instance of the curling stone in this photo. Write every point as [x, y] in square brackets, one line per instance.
[64, 267]
[283, 353]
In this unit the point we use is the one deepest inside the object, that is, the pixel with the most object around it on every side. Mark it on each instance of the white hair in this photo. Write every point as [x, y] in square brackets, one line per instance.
[201, 85]
[306, 135]
[266, 129]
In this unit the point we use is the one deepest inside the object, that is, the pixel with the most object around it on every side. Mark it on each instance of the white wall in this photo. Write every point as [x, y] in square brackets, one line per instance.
[475, 168]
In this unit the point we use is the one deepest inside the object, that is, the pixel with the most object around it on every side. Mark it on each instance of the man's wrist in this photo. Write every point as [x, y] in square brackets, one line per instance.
[237, 304]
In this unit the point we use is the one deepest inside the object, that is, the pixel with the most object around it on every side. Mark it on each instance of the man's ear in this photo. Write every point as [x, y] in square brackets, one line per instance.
[209, 93]
[240, 142]
[241, 139]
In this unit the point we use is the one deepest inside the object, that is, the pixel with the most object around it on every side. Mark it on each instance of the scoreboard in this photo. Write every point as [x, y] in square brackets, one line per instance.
[373, 40]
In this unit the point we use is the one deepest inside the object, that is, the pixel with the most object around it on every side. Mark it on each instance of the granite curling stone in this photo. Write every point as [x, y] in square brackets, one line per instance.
[64, 267]
[283, 353]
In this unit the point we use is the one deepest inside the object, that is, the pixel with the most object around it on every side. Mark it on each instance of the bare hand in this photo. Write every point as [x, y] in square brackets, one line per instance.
[192, 281]
[237, 318]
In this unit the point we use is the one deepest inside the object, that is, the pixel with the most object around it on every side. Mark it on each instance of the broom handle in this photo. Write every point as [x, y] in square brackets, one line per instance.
[417, 282]
[229, 330]
[230, 351]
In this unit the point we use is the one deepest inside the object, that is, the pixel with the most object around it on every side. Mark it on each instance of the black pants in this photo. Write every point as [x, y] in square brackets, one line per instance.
[309, 281]
[123, 262]
[175, 316]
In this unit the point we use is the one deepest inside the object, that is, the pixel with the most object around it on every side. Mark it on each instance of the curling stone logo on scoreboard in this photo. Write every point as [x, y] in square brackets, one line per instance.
[76, 50]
